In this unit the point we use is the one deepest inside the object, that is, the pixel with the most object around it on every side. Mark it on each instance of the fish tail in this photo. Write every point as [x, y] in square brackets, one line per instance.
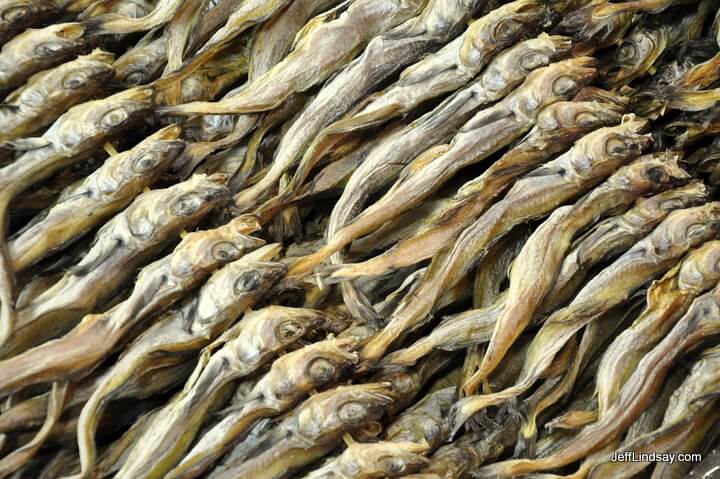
[91, 412]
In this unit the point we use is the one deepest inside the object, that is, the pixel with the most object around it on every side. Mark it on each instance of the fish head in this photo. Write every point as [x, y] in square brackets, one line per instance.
[285, 326]
[382, 459]
[570, 117]
[314, 366]
[557, 81]
[139, 65]
[197, 195]
[598, 24]
[92, 123]
[500, 29]
[89, 72]
[627, 140]
[684, 228]
[653, 172]
[636, 54]
[156, 151]
[343, 408]
[16, 15]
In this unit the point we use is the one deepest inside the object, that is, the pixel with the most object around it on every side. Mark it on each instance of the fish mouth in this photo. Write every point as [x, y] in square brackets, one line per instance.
[70, 31]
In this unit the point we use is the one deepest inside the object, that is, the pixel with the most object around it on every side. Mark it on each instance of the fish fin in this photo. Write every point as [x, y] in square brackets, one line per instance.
[24, 144]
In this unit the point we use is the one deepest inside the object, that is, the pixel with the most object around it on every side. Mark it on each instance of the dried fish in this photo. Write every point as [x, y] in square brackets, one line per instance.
[425, 422]
[503, 122]
[125, 243]
[103, 193]
[667, 300]
[143, 63]
[312, 430]
[354, 23]
[592, 159]
[48, 94]
[38, 49]
[291, 377]
[70, 139]
[188, 328]
[254, 341]
[557, 127]
[653, 255]
[157, 287]
[375, 460]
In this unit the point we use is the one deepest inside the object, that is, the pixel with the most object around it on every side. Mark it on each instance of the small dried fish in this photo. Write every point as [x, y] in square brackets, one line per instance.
[452, 66]
[188, 328]
[17, 15]
[425, 422]
[534, 272]
[655, 254]
[128, 241]
[613, 236]
[355, 23]
[103, 193]
[592, 159]
[290, 378]
[373, 461]
[250, 344]
[143, 63]
[70, 139]
[384, 55]
[48, 94]
[701, 320]
[158, 286]
[116, 23]
[667, 300]
[312, 430]
[557, 127]
[38, 49]
[485, 133]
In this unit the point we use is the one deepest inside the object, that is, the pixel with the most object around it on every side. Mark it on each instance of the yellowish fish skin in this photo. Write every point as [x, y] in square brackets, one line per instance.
[48, 94]
[38, 49]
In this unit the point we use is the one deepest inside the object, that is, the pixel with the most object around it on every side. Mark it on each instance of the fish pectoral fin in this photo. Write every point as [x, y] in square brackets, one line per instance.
[24, 144]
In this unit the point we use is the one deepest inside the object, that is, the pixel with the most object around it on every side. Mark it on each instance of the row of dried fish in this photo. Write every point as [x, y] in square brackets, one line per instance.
[433, 239]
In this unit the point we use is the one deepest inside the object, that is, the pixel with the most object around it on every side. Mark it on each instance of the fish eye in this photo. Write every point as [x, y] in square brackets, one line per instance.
[586, 119]
[74, 80]
[144, 164]
[15, 14]
[289, 330]
[321, 370]
[137, 77]
[626, 52]
[187, 205]
[506, 30]
[48, 49]
[114, 118]
[563, 86]
[352, 412]
[247, 281]
[655, 174]
[224, 251]
[391, 464]
[615, 146]
[531, 61]
[695, 230]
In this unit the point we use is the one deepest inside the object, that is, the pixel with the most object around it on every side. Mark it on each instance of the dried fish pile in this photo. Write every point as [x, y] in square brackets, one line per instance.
[357, 239]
